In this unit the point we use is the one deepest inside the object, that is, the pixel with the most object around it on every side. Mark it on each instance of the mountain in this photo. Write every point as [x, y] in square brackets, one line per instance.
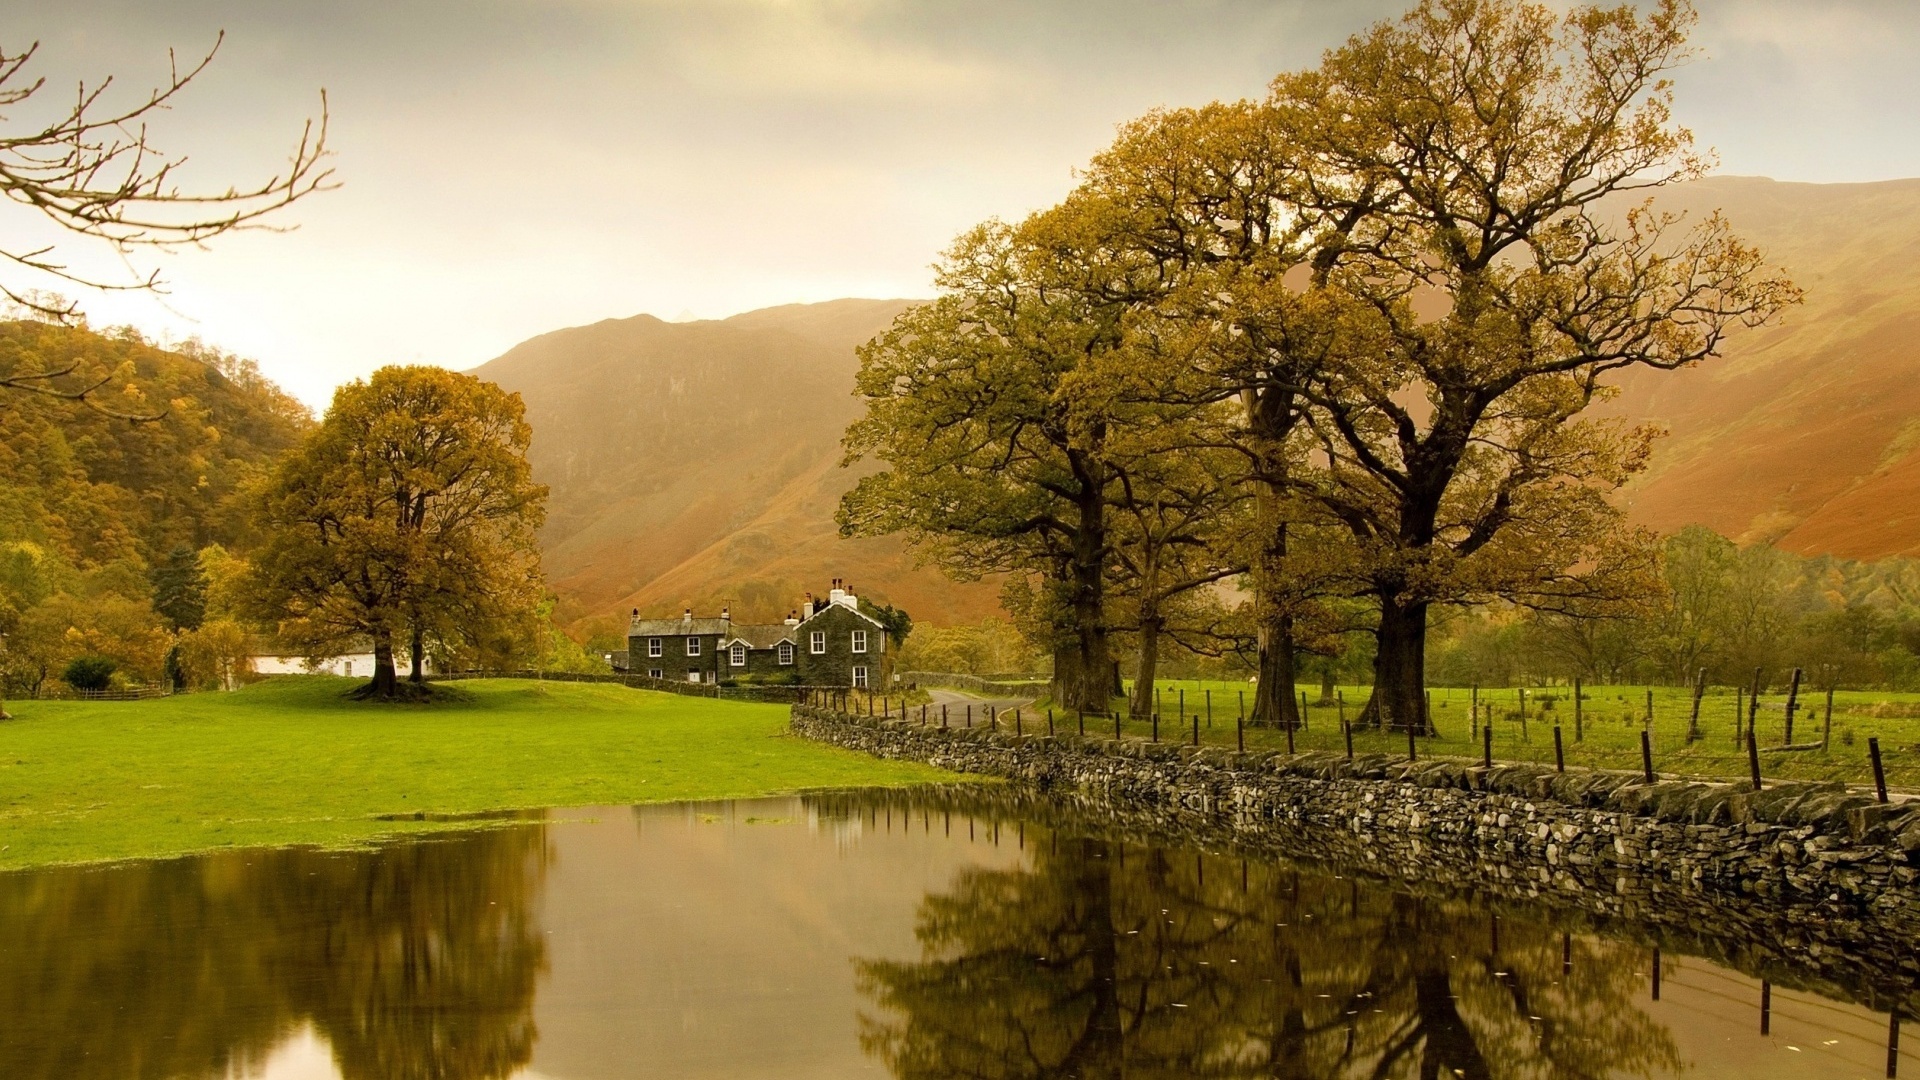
[698, 463]
[1806, 434]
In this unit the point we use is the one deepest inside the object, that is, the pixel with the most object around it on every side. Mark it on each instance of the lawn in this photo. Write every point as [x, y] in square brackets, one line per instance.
[291, 761]
[1612, 718]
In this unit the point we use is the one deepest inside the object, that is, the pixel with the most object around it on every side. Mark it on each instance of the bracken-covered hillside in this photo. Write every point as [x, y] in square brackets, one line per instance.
[1807, 434]
[698, 463]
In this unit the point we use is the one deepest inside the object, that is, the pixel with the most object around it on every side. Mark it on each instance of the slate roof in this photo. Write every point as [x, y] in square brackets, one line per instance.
[678, 627]
[761, 635]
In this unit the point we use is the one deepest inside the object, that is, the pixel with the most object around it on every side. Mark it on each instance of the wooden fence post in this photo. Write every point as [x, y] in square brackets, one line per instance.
[1196, 729]
[1559, 751]
[1579, 730]
[1646, 755]
[1486, 746]
[1793, 702]
[1348, 732]
[1693, 718]
[1879, 771]
[1753, 759]
[1826, 729]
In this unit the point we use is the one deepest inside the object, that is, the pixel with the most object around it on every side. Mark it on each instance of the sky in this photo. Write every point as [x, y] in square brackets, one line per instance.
[511, 167]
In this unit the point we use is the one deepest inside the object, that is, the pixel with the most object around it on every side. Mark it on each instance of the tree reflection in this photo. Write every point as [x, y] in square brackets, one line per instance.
[1104, 959]
[417, 960]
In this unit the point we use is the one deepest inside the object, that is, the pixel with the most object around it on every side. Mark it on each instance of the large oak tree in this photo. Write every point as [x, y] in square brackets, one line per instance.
[410, 514]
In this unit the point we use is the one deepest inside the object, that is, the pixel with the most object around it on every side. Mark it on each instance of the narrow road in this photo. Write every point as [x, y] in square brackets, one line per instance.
[957, 701]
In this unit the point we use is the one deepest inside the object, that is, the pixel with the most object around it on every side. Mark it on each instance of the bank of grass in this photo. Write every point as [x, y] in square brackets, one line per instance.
[293, 761]
[1612, 718]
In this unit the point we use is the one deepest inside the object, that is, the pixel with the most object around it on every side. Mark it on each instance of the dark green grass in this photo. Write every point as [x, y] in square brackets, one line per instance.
[292, 761]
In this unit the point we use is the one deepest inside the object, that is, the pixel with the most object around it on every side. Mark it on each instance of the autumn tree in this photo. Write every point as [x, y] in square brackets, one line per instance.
[1496, 272]
[409, 514]
[988, 468]
[91, 169]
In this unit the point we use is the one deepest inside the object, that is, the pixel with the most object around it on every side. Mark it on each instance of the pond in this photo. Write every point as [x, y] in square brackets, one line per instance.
[852, 935]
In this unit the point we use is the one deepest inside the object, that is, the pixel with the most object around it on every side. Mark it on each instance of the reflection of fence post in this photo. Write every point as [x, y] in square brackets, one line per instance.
[1893, 1044]
[1656, 973]
[1766, 1007]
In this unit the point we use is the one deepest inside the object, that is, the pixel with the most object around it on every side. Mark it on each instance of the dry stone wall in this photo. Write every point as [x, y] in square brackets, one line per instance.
[1829, 879]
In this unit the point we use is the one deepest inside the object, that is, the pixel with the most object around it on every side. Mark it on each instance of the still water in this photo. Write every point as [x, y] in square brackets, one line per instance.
[837, 937]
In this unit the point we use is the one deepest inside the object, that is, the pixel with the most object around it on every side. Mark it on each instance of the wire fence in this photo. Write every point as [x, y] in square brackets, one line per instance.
[1471, 729]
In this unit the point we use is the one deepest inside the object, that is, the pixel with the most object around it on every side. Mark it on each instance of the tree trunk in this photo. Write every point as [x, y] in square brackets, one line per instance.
[418, 674]
[1091, 687]
[1327, 690]
[1141, 705]
[1273, 701]
[1399, 699]
[386, 682]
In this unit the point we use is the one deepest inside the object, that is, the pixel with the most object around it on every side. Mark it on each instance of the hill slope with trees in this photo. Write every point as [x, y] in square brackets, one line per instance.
[94, 509]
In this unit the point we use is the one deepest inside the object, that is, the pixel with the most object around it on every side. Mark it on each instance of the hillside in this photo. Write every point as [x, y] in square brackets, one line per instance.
[698, 463]
[1806, 434]
[94, 491]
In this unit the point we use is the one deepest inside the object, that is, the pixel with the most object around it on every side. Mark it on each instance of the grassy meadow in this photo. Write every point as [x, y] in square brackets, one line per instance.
[292, 761]
[1612, 718]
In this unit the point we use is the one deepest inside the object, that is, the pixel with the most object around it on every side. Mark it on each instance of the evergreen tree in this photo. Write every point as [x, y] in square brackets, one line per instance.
[180, 589]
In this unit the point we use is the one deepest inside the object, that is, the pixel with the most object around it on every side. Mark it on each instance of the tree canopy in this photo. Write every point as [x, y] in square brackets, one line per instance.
[409, 515]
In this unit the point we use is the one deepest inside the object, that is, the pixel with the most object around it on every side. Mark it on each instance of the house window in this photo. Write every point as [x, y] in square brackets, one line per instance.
[786, 652]
[693, 675]
[656, 673]
[860, 676]
[693, 646]
[653, 647]
[739, 655]
[859, 641]
[819, 642]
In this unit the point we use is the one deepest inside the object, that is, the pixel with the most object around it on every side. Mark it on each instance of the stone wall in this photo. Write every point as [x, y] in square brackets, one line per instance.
[1829, 880]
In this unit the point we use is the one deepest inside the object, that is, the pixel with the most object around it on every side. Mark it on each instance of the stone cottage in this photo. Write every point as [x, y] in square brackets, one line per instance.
[827, 642]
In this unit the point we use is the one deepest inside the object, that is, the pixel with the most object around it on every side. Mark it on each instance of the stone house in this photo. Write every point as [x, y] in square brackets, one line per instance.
[827, 642]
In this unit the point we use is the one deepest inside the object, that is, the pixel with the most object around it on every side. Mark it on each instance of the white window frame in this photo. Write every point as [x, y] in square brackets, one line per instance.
[693, 645]
[818, 643]
[693, 674]
[655, 647]
[786, 652]
[860, 676]
[860, 641]
[739, 654]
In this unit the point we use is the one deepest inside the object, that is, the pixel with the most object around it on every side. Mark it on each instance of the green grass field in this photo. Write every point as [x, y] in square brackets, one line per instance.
[291, 761]
[1612, 718]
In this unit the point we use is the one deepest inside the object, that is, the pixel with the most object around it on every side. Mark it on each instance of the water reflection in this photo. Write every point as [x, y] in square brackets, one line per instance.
[416, 961]
[921, 935]
[1101, 960]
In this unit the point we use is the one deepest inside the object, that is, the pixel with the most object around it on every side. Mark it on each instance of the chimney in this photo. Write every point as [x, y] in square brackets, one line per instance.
[636, 613]
[792, 619]
[687, 614]
[726, 613]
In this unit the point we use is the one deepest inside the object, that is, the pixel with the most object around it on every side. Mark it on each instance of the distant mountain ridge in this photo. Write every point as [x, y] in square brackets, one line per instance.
[699, 462]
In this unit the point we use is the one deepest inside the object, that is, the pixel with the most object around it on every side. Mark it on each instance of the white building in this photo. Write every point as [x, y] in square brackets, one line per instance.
[352, 665]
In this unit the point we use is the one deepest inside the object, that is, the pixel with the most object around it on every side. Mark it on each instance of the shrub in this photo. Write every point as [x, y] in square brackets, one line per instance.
[90, 672]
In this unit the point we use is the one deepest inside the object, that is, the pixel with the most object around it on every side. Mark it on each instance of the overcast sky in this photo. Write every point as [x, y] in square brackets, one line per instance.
[511, 167]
